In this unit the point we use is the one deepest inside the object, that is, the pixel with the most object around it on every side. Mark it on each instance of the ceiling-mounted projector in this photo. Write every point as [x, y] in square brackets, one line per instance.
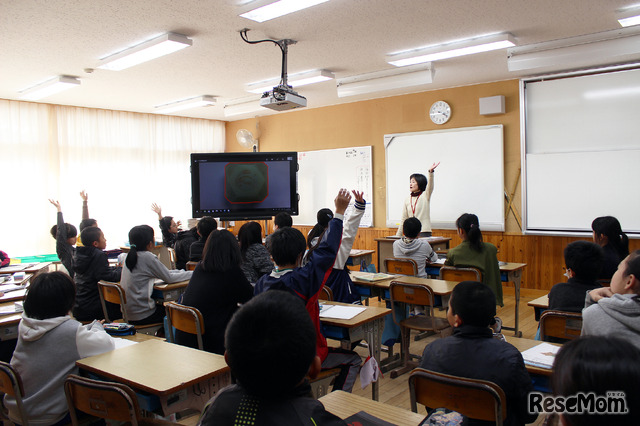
[282, 98]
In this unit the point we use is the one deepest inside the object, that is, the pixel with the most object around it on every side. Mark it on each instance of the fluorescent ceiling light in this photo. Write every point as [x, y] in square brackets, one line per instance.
[198, 101]
[385, 80]
[279, 8]
[150, 49]
[451, 50]
[629, 17]
[294, 80]
[606, 48]
[243, 106]
[49, 87]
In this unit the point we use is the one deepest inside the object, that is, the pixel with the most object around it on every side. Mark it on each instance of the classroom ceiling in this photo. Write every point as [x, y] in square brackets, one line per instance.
[43, 39]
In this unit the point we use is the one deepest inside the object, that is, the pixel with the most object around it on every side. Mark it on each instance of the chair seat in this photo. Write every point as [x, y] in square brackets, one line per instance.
[424, 323]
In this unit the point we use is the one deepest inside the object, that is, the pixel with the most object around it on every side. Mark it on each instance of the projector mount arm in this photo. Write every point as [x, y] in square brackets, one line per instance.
[282, 44]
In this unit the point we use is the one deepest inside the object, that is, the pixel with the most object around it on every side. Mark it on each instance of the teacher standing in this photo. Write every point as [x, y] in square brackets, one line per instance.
[418, 203]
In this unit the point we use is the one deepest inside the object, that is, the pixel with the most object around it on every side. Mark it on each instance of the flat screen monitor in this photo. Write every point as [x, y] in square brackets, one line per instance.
[239, 186]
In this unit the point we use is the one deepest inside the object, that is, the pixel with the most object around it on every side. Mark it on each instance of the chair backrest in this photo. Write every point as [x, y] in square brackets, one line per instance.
[113, 293]
[191, 265]
[185, 318]
[413, 294]
[107, 400]
[451, 273]
[11, 384]
[560, 325]
[167, 256]
[477, 399]
[326, 294]
[401, 266]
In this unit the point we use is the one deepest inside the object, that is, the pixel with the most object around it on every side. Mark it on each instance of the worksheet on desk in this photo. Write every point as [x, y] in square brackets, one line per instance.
[339, 311]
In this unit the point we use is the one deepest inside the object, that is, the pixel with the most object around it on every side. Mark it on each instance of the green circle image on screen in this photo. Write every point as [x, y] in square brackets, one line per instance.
[246, 182]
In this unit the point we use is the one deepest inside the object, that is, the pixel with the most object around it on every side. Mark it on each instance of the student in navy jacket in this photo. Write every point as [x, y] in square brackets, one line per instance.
[287, 250]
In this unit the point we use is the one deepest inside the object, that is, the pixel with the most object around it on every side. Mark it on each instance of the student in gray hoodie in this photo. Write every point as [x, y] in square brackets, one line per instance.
[412, 247]
[49, 344]
[615, 310]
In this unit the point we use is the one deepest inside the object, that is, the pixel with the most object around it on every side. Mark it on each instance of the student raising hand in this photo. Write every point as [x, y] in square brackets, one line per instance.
[56, 203]
[358, 196]
[342, 201]
[84, 195]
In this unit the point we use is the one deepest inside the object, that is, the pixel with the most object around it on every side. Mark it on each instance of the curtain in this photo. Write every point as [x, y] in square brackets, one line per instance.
[125, 161]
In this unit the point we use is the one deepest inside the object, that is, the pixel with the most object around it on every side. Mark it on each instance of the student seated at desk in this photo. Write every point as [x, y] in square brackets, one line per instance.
[86, 220]
[473, 252]
[142, 268]
[412, 247]
[206, 225]
[49, 344]
[339, 281]
[598, 364]
[66, 236]
[91, 265]
[217, 287]
[256, 260]
[281, 220]
[615, 310]
[287, 249]
[473, 352]
[607, 233]
[583, 261]
[271, 347]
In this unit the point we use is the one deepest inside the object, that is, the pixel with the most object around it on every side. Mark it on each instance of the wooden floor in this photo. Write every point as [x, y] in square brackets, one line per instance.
[396, 391]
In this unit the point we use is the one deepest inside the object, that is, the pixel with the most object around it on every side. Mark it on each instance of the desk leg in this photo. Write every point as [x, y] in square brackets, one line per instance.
[373, 333]
[516, 278]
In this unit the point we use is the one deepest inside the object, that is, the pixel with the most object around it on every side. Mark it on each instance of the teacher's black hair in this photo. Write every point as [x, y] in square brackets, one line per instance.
[421, 180]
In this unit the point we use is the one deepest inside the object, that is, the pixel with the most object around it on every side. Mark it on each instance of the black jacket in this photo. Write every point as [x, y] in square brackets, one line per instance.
[91, 265]
[570, 296]
[183, 246]
[216, 295]
[294, 409]
[472, 352]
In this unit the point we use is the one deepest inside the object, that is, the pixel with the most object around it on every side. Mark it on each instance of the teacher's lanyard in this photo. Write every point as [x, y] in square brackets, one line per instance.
[413, 206]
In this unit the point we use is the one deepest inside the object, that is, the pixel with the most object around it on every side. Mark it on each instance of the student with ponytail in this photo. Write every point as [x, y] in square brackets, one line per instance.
[142, 268]
[473, 252]
[607, 233]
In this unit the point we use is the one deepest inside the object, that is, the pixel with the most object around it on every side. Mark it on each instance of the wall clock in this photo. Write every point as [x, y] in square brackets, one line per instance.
[440, 112]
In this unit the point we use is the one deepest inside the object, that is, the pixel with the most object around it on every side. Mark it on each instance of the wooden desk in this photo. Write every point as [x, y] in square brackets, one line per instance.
[381, 288]
[344, 404]
[13, 296]
[179, 377]
[522, 345]
[13, 281]
[9, 324]
[367, 325]
[360, 257]
[509, 272]
[169, 292]
[28, 268]
[539, 305]
[385, 248]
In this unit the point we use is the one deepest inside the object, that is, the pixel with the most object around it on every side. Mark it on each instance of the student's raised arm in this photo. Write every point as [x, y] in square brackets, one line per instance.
[85, 204]
[350, 230]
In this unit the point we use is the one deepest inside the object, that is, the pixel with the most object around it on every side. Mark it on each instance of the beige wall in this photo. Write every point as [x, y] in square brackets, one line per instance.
[366, 122]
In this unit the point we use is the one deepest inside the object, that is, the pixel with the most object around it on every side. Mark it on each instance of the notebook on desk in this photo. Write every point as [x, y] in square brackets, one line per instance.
[339, 311]
[371, 276]
[542, 355]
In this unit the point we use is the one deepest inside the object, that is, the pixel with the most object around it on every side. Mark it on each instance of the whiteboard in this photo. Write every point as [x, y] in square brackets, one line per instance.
[321, 175]
[469, 179]
[582, 151]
